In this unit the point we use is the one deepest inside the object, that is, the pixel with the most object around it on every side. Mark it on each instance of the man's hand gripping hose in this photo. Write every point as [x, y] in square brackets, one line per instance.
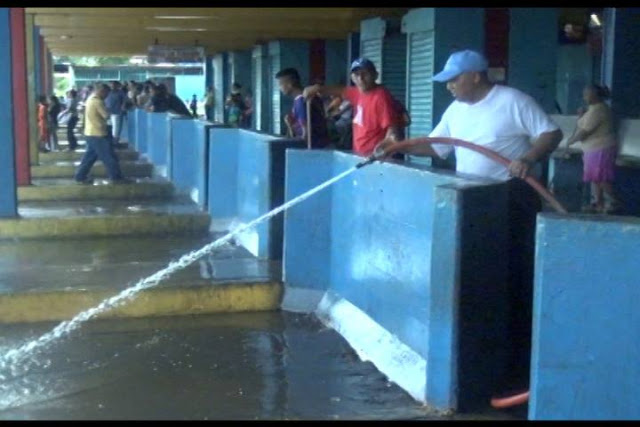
[384, 150]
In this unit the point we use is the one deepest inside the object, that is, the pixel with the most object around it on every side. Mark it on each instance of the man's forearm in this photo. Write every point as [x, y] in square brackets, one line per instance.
[330, 90]
[543, 146]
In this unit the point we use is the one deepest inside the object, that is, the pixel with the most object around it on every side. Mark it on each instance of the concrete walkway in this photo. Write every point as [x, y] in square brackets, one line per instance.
[239, 358]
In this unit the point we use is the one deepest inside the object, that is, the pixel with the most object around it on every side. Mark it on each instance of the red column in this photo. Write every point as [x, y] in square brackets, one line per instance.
[496, 39]
[20, 106]
[316, 61]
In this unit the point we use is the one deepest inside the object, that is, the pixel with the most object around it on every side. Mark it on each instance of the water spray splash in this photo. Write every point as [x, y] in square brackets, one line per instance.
[13, 356]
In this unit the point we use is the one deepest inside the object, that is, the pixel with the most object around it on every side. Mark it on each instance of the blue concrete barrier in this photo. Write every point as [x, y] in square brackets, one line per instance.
[408, 265]
[131, 126]
[246, 180]
[141, 131]
[189, 157]
[586, 340]
[159, 141]
[565, 179]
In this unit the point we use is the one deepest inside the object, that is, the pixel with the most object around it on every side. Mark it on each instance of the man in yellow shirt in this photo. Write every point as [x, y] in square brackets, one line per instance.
[99, 146]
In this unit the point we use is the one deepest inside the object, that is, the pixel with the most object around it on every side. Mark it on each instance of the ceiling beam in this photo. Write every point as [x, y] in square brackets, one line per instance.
[254, 23]
[213, 12]
[138, 48]
[85, 33]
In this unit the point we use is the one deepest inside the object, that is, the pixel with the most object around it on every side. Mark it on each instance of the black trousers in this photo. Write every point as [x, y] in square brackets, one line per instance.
[71, 137]
[524, 205]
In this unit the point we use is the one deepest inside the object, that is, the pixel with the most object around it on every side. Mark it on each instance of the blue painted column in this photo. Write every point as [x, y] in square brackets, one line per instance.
[240, 68]
[533, 42]
[219, 86]
[208, 71]
[259, 78]
[621, 59]
[8, 202]
[208, 81]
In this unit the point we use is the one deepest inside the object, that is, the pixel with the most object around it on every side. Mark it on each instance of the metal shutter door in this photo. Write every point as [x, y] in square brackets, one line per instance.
[372, 50]
[276, 105]
[394, 69]
[419, 83]
[218, 89]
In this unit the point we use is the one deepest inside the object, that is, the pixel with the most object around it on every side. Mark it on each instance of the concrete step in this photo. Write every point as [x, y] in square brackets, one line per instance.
[190, 298]
[47, 280]
[66, 169]
[66, 156]
[69, 219]
[62, 134]
[122, 145]
[68, 189]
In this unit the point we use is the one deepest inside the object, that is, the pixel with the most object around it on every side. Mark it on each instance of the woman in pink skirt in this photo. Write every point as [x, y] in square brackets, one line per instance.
[599, 144]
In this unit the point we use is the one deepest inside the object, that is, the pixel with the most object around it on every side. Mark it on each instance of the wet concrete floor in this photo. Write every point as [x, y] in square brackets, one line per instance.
[115, 263]
[179, 204]
[247, 366]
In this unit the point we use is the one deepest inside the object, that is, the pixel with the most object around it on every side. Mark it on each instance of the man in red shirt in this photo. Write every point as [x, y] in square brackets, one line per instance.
[375, 113]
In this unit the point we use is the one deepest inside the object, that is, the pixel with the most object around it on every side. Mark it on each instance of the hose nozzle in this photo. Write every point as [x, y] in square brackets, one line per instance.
[376, 156]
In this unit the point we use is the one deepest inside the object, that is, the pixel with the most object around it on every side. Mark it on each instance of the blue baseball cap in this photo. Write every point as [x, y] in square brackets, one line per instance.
[461, 62]
[363, 63]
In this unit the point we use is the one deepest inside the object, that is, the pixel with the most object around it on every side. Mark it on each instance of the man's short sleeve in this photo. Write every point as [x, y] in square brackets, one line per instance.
[351, 94]
[442, 130]
[532, 117]
[387, 114]
[300, 110]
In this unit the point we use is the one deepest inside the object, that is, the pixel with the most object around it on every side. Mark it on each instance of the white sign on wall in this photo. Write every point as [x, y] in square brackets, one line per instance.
[175, 54]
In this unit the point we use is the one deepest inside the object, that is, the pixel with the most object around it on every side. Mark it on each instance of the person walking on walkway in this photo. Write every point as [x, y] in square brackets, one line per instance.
[52, 121]
[193, 106]
[72, 111]
[114, 103]
[43, 124]
[99, 146]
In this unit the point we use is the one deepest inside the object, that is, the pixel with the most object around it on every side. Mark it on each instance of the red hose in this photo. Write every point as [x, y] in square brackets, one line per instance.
[508, 402]
[482, 150]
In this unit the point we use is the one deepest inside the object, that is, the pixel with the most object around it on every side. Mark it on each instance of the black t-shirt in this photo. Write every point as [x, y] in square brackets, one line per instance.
[160, 103]
[54, 110]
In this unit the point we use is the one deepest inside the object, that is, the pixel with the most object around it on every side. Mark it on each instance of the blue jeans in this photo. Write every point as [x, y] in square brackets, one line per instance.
[99, 148]
[116, 127]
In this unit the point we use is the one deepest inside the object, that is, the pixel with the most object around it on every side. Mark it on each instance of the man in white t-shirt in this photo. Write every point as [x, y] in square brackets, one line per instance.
[511, 123]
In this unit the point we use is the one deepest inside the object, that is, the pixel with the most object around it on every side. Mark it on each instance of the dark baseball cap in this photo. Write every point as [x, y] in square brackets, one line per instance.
[363, 63]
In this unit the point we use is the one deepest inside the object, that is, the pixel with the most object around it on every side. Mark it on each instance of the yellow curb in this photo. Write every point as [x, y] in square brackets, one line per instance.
[182, 300]
[66, 171]
[68, 156]
[142, 190]
[95, 226]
